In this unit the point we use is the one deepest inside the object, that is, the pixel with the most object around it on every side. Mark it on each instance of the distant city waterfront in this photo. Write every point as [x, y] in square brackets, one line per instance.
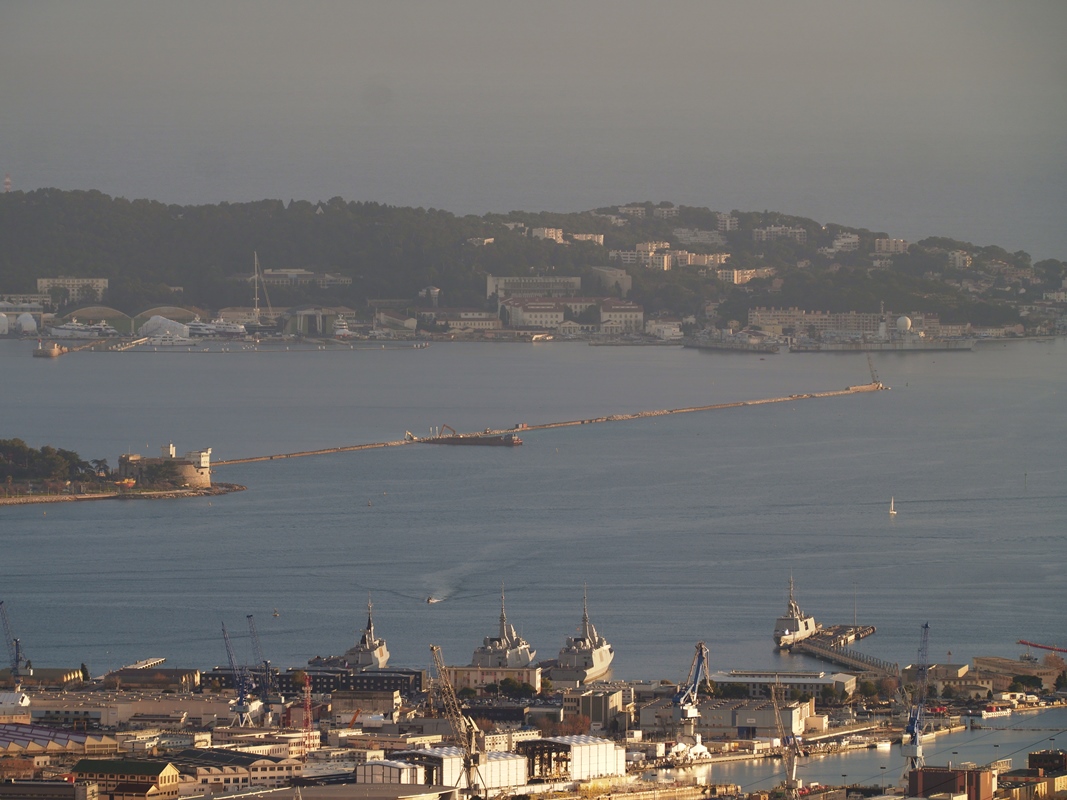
[684, 528]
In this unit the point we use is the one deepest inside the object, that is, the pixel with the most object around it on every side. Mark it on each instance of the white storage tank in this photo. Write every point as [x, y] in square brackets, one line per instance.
[26, 324]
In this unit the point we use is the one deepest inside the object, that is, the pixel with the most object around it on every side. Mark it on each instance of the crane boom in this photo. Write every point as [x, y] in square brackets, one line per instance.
[911, 743]
[263, 684]
[14, 649]
[465, 732]
[1043, 646]
[241, 711]
[790, 746]
[687, 693]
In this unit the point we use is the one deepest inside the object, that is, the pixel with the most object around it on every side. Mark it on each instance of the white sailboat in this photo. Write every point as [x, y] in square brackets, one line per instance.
[892, 509]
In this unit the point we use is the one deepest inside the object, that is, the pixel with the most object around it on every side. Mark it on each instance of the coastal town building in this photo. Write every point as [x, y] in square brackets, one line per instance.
[1013, 667]
[959, 259]
[301, 277]
[537, 286]
[595, 238]
[77, 289]
[614, 279]
[977, 783]
[632, 211]
[665, 212]
[846, 242]
[891, 246]
[575, 758]
[697, 236]
[621, 315]
[604, 708]
[462, 319]
[129, 779]
[779, 321]
[477, 678]
[529, 313]
[727, 222]
[742, 276]
[795, 683]
[741, 719]
[395, 320]
[553, 234]
[774, 232]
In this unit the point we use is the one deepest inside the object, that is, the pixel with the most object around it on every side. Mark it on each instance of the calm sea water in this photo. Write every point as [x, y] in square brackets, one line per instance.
[684, 528]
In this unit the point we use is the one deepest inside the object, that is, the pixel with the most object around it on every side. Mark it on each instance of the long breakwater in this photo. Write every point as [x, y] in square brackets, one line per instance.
[861, 389]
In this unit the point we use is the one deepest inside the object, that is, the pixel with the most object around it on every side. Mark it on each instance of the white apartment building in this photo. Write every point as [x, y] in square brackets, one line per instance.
[78, 289]
[665, 212]
[891, 246]
[531, 286]
[595, 238]
[658, 261]
[627, 316]
[739, 276]
[959, 259]
[727, 222]
[773, 232]
[555, 234]
[846, 242]
[651, 247]
[697, 236]
[529, 313]
[625, 256]
[632, 211]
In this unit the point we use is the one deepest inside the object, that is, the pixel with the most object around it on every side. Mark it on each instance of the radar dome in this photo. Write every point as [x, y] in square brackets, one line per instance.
[904, 324]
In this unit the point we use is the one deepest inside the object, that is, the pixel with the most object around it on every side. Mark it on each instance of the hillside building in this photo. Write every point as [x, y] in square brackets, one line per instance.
[78, 289]
[537, 286]
[891, 246]
[773, 232]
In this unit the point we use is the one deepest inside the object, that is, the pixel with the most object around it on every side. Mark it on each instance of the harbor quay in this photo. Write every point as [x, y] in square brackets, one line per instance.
[506, 724]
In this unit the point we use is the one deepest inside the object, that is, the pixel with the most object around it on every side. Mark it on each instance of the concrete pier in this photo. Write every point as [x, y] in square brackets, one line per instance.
[862, 389]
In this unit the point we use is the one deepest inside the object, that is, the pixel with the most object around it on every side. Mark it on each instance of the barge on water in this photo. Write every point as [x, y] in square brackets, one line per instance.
[487, 439]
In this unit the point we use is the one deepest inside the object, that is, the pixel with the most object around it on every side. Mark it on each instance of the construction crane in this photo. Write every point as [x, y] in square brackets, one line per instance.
[14, 649]
[242, 715]
[1043, 646]
[686, 712]
[263, 683]
[467, 735]
[790, 747]
[309, 733]
[875, 380]
[911, 744]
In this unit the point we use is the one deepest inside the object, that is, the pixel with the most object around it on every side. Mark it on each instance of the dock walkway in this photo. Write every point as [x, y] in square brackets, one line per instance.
[862, 389]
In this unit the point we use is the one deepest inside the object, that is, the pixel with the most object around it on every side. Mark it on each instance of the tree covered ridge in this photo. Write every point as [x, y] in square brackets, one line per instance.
[20, 462]
[146, 248]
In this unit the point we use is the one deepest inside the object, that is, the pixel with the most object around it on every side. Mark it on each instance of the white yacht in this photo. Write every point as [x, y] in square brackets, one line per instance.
[340, 328]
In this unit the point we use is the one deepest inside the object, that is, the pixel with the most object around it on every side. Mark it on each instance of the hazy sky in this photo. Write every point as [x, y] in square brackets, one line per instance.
[917, 118]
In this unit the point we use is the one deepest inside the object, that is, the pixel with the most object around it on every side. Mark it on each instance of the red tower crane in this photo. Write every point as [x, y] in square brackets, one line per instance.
[1043, 646]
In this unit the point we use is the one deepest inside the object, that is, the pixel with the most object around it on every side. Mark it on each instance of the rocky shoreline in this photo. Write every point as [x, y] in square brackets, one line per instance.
[31, 499]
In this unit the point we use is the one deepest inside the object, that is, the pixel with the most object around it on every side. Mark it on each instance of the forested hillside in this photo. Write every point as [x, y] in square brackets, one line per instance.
[148, 250]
